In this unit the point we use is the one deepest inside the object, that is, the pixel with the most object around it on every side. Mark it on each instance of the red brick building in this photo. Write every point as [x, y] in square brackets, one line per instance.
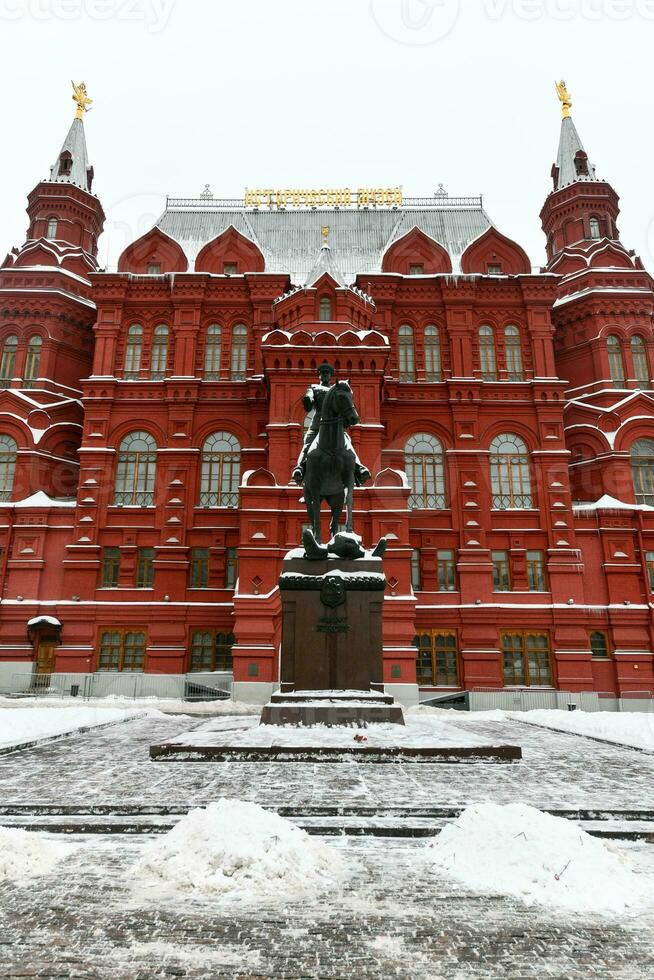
[150, 420]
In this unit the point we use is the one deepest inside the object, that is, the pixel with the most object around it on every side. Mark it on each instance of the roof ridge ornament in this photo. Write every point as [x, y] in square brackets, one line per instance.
[80, 96]
[564, 98]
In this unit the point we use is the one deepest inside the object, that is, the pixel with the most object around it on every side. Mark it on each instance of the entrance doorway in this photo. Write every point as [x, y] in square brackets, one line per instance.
[45, 656]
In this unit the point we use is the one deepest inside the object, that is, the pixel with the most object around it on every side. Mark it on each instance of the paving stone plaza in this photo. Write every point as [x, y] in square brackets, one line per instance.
[392, 917]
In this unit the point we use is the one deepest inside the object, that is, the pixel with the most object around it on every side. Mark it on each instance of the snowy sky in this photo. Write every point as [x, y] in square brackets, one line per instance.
[310, 93]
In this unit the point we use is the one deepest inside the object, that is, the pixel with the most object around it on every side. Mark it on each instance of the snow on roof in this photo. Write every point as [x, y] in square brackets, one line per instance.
[39, 499]
[606, 502]
[51, 620]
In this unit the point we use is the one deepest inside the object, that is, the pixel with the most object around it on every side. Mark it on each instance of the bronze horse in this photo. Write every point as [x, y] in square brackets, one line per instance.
[330, 461]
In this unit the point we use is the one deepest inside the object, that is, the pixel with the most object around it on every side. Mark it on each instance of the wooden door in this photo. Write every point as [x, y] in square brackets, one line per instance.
[45, 657]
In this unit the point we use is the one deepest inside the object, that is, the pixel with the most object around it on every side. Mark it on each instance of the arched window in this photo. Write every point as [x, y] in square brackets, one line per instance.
[510, 476]
[133, 352]
[425, 470]
[513, 353]
[8, 450]
[405, 353]
[136, 471]
[212, 349]
[595, 231]
[221, 471]
[325, 308]
[33, 360]
[599, 645]
[432, 354]
[642, 470]
[616, 367]
[51, 230]
[65, 164]
[640, 362]
[8, 362]
[239, 352]
[159, 358]
[487, 362]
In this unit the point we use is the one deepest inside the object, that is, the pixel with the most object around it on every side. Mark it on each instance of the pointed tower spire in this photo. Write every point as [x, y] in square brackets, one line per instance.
[325, 263]
[72, 164]
[581, 206]
[572, 160]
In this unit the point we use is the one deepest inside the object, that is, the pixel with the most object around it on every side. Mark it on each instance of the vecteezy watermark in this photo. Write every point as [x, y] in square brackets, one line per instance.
[422, 22]
[153, 14]
[415, 22]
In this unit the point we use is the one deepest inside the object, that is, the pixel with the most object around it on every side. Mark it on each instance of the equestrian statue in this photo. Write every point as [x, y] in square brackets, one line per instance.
[328, 467]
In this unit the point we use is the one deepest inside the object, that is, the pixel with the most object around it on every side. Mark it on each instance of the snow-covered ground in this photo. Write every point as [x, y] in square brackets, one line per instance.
[519, 851]
[24, 855]
[20, 725]
[633, 729]
[169, 706]
[419, 732]
[239, 850]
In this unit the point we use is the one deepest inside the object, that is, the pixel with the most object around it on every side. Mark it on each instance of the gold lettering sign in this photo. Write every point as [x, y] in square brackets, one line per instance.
[323, 197]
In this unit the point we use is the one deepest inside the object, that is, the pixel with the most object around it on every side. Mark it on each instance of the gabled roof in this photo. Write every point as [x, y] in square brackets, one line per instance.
[569, 146]
[75, 144]
[325, 265]
[358, 236]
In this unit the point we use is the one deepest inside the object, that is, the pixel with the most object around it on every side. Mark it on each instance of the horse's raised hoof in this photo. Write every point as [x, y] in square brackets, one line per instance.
[313, 550]
[346, 544]
[362, 475]
[380, 550]
[298, 476]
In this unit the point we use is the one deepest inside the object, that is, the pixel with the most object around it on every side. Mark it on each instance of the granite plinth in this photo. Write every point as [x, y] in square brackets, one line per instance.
[355, 709]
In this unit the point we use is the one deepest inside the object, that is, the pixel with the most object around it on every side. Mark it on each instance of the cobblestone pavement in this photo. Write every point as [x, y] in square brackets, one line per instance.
[394, 918]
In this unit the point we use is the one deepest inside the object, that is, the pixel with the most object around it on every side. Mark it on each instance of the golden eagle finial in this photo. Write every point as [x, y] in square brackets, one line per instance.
[81, 98]
[564, 98]
[325, 235]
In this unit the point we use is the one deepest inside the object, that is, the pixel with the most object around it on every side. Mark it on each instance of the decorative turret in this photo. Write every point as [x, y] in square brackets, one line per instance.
[581, 207]
[62, 208]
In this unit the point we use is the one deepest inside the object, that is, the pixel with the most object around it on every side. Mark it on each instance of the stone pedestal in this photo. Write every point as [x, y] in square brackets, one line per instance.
[332, 665]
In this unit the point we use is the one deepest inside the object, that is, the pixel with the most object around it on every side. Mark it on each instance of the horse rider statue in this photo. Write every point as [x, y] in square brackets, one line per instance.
[313, 399]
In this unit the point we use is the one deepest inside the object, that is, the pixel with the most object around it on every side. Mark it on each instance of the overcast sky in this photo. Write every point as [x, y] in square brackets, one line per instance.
[311, 93]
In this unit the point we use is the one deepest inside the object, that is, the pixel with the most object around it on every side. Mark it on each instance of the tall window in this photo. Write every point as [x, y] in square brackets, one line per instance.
[594, 228]
[501, 571]
[325, 308]
[487, 360]
[110, 570]
[406, 354]
[212, 350]
[432, 354]
[536, 571]
[642, 470]
[145, 568]
[33, 360]
[211, 651]
[239, 352]
[640, 362]
[616, 367]
[136, 471]
[159, 357]
[231, 568]
[8, 362]
[416, 576]
[8, 451]
[154, 268]
[416, 269]
[133, 352]
[199, 570]
[445, 570]
[599, 645]
[649, 564]
[51, 230]
[221, 471]
[526, 659]
[121, 650]
[437, 662]
[513, 353]
[425, 470]
[510, 478]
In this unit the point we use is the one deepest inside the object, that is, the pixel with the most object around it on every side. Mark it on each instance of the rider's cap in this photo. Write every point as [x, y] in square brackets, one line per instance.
[325, 366]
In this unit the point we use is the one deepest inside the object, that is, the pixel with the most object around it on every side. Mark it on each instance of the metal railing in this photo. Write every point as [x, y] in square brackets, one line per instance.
[489, 699]
[438, 201]
[129, 685]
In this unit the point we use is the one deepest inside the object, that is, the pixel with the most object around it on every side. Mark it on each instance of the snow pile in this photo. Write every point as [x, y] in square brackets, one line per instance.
[24, 855]
[237, 849]
[175, 706]
[24, 725]
[632, 728]
[518, 850]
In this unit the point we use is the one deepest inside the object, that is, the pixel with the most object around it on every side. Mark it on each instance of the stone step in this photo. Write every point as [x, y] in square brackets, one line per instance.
[296, 697]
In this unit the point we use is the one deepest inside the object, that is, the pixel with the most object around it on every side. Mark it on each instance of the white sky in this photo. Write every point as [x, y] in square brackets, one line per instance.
[311, 93]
